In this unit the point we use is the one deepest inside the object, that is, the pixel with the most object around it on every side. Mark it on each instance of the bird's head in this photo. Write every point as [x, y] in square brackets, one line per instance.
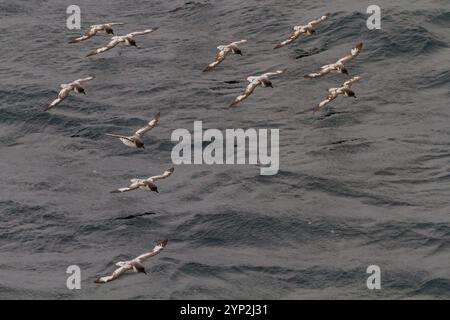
[140, 144]
[268, 84]
[109, 30]
[351, 93]
[344, 71]
[140, 269]
[154, 189]
[132, 42]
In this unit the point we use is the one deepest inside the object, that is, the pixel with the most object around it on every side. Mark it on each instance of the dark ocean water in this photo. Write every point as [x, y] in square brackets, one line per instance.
[366, 182]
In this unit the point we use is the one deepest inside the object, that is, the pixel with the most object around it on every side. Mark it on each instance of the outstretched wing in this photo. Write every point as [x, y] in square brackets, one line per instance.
[139, 33]
[88, 34]
[54, 104]
[116, 274]
[109, 46]
[220, 56]
[80, 81]
[131, 187]
[236, 43]
[157, 249]
[292, 38]
[118, 136]
[63, 93]
[269, 74]
[322, 72]
[318, 21]
[166, 174]
[350, 82]
[248, 91]
[110, 24]
[353, 53]
[330, 98]
[149, 126]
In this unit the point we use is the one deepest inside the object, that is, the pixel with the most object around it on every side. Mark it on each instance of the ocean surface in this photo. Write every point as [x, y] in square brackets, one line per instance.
[364, 182]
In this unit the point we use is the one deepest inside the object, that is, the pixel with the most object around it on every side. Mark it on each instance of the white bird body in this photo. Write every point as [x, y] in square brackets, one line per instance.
[223, 51]
[66, 88]
[338, 66]
[255, 81]
[135, 141]
[333, 93]
[97, 28]
[127, 39]
[145, 184]
[135, 265]
[307, 29]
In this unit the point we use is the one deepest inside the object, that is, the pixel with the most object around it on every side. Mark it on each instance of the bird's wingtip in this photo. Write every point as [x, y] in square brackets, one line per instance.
[163, 243]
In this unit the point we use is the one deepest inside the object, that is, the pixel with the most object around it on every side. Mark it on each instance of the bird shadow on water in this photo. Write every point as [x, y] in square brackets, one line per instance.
[330, 113]
[302, 53]
[137, 215]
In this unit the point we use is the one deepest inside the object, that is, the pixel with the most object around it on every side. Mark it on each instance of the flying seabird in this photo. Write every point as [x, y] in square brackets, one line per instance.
[308, 29]
[135, 265]
[262, 80]
[135, 141]
[106, 27]
[338, 66]
[145, 184]
[127, 39]
[333, 93]
[223, 51]
[66, 88]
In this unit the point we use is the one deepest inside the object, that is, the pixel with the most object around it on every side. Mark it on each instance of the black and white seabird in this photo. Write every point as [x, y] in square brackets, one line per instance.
[338, 66]
[127, 39]
[262, 80]
[308, 29]
[135, 141]
[223, 51]
[94, 29]
[145, 184]
[333, 93]
[66, 88]
[136, 265]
